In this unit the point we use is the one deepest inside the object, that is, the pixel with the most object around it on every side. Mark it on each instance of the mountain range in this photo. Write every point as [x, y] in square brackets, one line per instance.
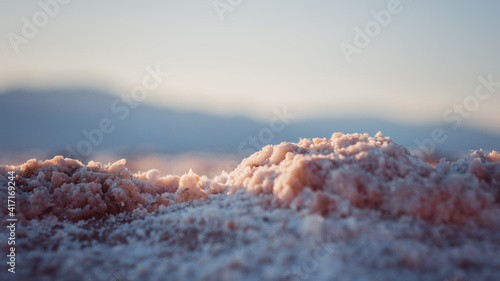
[53, 120]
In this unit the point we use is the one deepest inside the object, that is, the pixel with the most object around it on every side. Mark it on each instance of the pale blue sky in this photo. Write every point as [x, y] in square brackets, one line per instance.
[267, 54]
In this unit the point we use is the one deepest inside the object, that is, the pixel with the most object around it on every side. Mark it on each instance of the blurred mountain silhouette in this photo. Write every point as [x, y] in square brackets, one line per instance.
[53, 119]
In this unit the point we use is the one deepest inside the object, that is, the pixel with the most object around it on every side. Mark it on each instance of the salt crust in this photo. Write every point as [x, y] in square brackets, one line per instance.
[351, 207]
[327, 176]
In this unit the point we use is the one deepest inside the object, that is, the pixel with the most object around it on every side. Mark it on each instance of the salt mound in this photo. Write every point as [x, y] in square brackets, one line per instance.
[67, 189]
[348, 172]
[338, 176]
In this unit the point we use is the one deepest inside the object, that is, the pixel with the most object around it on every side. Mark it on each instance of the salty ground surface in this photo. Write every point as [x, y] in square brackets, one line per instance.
[352, 207]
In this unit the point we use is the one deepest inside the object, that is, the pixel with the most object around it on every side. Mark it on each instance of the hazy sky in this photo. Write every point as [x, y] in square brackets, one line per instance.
[267, 54]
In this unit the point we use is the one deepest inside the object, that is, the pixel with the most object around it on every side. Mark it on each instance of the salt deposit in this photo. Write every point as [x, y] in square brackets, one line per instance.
[351, 207]
[355, 171]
